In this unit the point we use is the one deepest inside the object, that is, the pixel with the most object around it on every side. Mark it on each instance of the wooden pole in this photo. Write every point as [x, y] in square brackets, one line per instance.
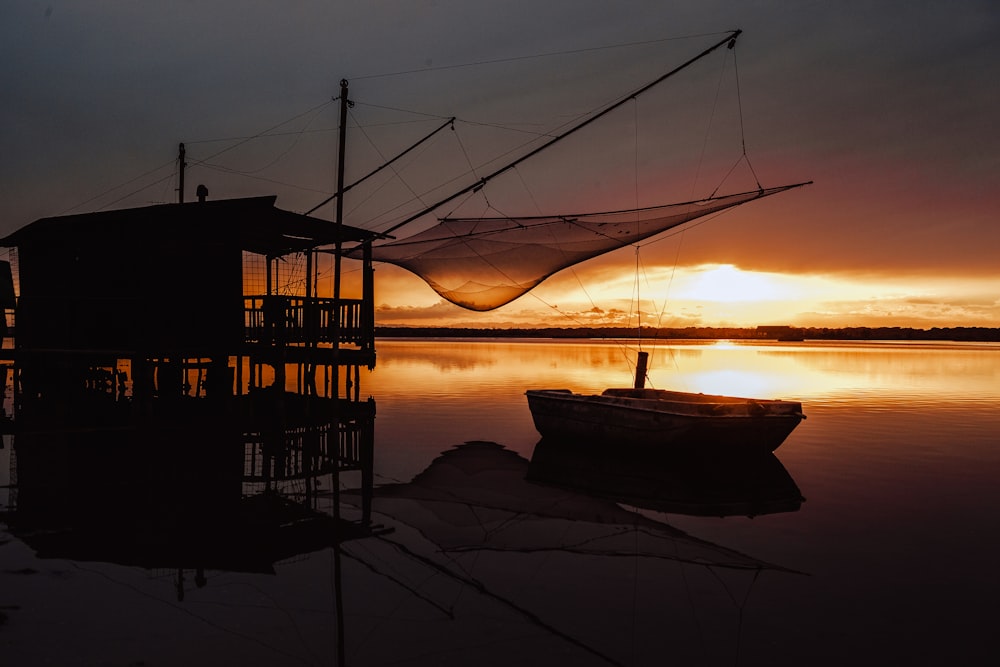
[640, 370]
[181, 155]
[335, 327]
[335, 324]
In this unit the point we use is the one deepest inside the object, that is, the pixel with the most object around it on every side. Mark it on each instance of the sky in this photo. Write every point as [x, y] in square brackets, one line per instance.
[889, 108]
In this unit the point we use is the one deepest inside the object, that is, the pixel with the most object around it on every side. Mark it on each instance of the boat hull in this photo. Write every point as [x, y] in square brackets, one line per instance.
[658, 418]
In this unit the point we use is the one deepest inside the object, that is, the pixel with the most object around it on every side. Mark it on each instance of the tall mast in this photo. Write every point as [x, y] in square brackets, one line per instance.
[340, 192]
[335, 331]
[181, 156]
[481, 182]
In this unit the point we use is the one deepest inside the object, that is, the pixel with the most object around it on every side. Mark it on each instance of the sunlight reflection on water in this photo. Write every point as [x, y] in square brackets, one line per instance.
[821, 371]
[438, 393]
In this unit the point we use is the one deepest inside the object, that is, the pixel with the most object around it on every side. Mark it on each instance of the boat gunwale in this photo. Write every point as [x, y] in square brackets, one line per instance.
[706, 407]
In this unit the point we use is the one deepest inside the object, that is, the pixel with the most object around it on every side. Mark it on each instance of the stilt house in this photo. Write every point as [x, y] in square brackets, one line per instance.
[169, 322]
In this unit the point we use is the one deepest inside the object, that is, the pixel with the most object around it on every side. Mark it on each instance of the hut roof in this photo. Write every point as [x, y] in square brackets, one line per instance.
[253, 223]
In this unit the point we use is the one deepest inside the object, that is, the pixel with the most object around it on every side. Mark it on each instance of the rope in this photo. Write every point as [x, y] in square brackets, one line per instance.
[575, 128]
[635, 203]
[297, 136]
[173, 162]
[549, 54]
[227, 170]
[468, 160]
[708, 130]
[450, 121]
[572, 269]
[266, 132]
[128, 182]
[387, 164]
[135, 192]
[636, 302]
[739, 104]
[417, 198]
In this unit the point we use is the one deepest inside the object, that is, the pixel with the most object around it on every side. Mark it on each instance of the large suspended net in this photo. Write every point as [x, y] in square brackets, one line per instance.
[485, 263]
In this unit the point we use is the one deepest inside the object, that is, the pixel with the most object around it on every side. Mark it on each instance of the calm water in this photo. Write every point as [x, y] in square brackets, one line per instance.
[891, 558]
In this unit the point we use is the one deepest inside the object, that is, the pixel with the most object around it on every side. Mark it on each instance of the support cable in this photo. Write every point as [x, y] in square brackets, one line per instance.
[739, 104]
[608, 109]
[532, 57]
[266, 132]
[449, 122]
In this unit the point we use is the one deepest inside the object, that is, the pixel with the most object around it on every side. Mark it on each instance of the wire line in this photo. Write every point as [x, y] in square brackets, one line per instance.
[549, 54]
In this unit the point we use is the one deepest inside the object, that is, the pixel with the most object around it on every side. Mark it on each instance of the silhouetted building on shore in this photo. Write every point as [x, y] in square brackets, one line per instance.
[183, 352]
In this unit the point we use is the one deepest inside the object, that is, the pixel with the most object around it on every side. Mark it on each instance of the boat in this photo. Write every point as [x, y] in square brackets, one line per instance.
[659, 418]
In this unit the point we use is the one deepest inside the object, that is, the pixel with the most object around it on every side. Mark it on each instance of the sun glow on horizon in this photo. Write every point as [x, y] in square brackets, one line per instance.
[714, 295]
[726, 283]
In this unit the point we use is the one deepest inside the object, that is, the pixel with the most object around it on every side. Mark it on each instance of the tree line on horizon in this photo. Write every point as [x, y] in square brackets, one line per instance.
[960, 334]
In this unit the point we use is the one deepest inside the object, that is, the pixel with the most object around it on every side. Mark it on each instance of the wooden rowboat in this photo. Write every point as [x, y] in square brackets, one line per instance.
[660, 418]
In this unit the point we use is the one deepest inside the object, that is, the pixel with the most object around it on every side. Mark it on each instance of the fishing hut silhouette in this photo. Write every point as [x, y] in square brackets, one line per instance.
[166, 375]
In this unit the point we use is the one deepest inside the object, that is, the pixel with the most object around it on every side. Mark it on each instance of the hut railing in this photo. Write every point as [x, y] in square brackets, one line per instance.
[278, 319]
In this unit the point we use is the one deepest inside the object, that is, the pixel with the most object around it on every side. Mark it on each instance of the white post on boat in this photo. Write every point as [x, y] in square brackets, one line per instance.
[640, 370]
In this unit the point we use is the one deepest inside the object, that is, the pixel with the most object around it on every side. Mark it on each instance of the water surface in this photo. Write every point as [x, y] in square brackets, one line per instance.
[886, 554]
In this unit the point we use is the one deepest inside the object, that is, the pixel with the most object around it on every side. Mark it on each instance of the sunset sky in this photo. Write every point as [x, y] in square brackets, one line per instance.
[890, 108]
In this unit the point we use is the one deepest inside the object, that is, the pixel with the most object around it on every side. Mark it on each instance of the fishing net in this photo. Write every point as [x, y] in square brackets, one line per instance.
[484, 263]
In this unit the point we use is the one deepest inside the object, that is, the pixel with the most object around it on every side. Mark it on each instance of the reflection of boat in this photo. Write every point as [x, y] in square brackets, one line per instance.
[479, 496]
[657, 418]
[694, 483]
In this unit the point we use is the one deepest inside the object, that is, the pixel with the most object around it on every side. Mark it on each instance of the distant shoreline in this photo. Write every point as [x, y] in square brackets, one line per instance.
[958, 334]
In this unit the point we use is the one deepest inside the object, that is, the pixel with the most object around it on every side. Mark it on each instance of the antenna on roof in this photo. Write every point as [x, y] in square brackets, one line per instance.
[181, 153]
